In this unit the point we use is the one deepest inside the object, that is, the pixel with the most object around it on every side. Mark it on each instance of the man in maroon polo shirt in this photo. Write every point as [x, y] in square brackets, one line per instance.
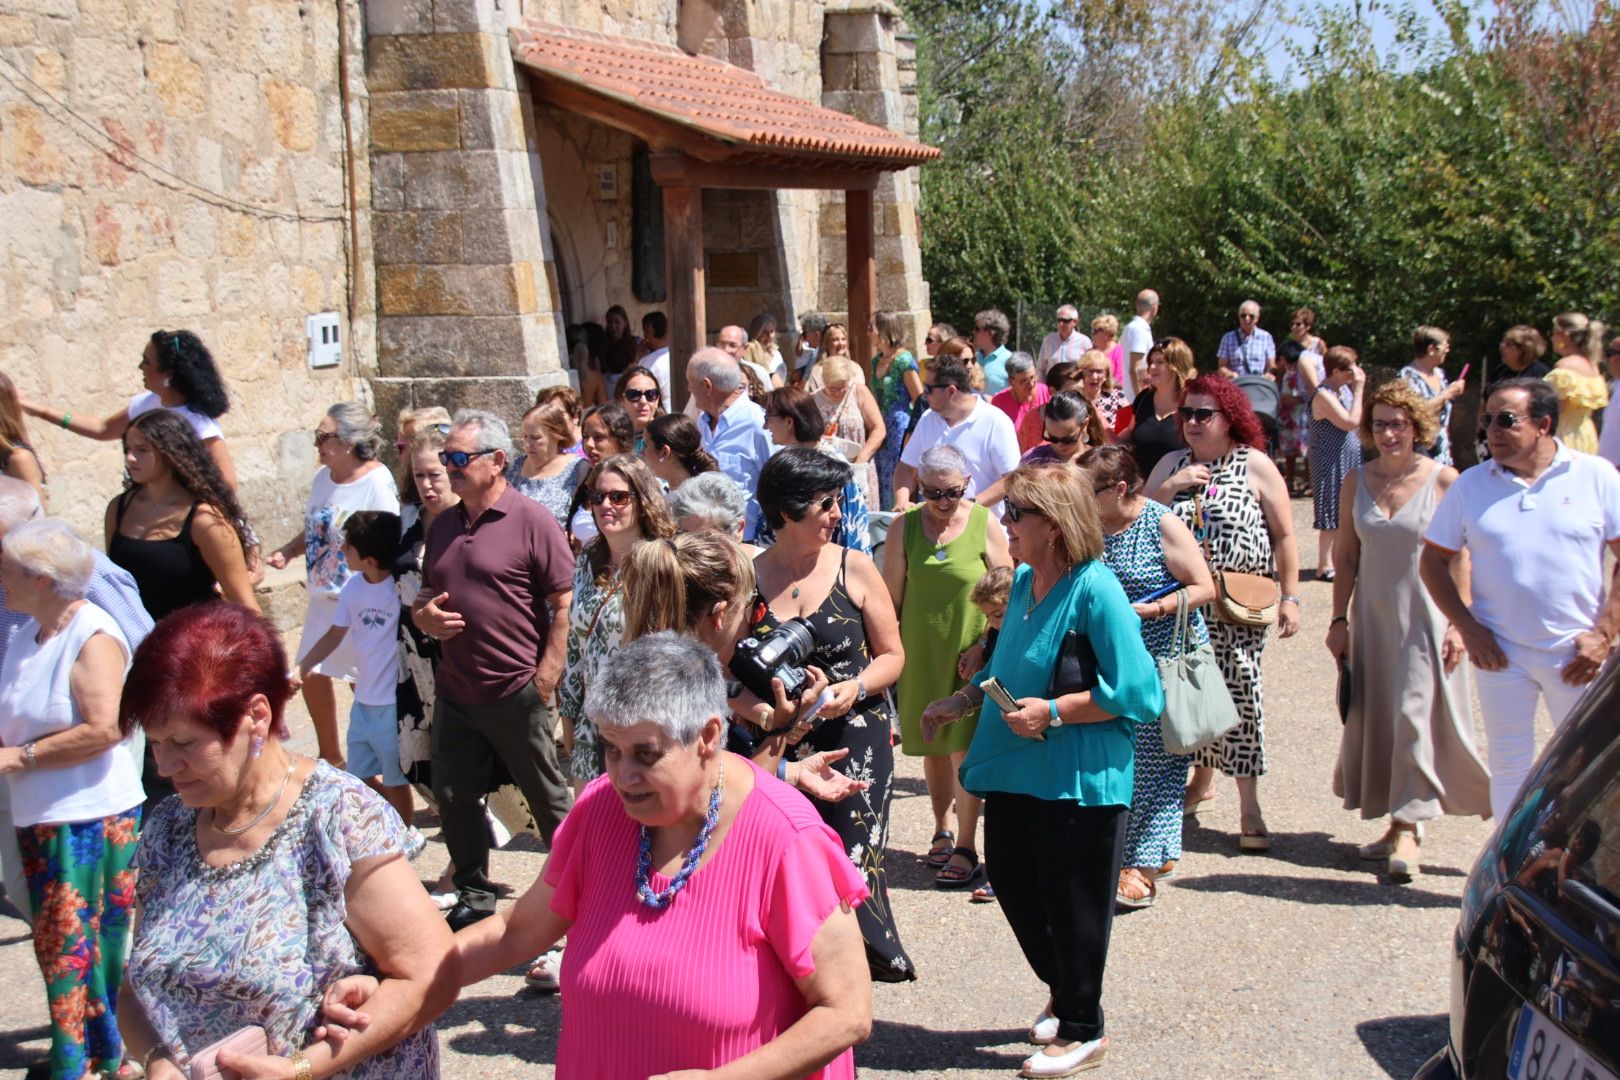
[497, 580]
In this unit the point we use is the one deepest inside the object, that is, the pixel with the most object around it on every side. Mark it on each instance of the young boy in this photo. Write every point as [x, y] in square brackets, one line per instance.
[368, 610]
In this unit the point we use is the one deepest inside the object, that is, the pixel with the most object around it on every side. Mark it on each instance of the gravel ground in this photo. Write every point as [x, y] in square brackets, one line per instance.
[1303, 962]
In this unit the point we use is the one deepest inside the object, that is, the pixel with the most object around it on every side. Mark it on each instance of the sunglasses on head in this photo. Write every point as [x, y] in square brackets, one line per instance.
[641, 395]
[461, 458]
[935, 494]
[1203, 416]
[1060, 440]
[1504, 420]
[1016, 512]
[596, 497]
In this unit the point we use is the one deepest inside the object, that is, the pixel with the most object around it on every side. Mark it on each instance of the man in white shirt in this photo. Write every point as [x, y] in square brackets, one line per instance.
[732, 427]
[1138, 341]
[1535, 520]
[957, 417]
[655, 338]
[1066, 344]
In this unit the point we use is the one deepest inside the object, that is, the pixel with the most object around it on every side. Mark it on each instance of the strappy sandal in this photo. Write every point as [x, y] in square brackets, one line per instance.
[984, 894]
[1142, 892]
[940, 854]
[954, 876]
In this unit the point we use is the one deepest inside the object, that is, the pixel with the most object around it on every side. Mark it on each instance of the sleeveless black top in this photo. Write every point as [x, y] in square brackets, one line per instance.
[169, 573]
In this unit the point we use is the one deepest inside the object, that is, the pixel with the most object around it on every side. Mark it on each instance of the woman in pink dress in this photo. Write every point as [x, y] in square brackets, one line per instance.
[708, 910]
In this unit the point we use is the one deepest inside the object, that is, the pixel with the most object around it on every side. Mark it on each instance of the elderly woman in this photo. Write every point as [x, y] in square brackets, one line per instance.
[1407, 748]
[545, 471]
[347, 442]
[1150, 551]
[896, 384]
[1055, 771]
[839, 597]
[1225, 488]
[269, 878]
[605, 431]
[177, 373]
[1155, 431]
[947, 542]
[1097, 386]
[711, 501]
[641, 397]
[75, 793]
[792, 418]
[673, 449]
[1024, 395]
[1105, 339]
[1336, 448]
[1425, 374]
[854, 423]
[627, 507]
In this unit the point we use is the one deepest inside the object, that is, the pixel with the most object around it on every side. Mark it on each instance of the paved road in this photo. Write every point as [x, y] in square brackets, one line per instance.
[1300, 963]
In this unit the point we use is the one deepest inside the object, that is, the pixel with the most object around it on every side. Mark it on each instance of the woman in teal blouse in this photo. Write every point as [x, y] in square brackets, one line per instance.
[1056, 773]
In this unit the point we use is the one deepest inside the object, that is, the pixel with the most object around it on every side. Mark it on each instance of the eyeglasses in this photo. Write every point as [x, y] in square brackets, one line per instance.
[1060, 440]
[1202, 416]
[1016, 512]
[945, 494]
[596, 497]
[824, 505]
[461, 458]
[933, 340]
[1504, 420]
[1392, 427]
[641, 395]
[322, 436]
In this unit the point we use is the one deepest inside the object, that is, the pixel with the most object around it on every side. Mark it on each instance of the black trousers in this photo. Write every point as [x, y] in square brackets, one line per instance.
[467, 743]
[1055, 867]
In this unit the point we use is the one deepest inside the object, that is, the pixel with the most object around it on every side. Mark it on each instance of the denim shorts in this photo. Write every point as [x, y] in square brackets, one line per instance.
[374, 743]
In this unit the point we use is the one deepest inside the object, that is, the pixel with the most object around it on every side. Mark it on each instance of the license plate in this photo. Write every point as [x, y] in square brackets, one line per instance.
[1541, 1051]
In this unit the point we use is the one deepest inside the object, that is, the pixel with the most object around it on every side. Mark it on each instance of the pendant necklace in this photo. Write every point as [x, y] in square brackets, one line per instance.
[658, 901]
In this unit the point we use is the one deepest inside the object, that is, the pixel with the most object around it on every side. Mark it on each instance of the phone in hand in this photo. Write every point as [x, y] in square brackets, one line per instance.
[997, 693]
[1463, 375]
[248, 1040]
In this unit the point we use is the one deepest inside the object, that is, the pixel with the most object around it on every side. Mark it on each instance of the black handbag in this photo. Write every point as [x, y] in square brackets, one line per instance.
[1076, 669]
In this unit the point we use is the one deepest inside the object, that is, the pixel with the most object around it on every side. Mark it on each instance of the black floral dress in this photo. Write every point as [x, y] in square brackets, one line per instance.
[862, 820]
[418, 661]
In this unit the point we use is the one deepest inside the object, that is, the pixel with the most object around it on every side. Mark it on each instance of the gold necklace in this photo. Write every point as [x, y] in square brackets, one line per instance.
[292, 763]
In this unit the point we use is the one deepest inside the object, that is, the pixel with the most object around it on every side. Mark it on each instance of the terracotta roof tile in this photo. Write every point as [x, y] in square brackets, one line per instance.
[720, 100]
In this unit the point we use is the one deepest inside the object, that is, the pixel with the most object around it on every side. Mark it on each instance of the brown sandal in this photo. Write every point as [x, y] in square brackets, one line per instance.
[1135, 891]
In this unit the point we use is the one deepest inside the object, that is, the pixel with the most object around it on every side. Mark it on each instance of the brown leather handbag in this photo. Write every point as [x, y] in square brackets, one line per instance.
[1240, 599]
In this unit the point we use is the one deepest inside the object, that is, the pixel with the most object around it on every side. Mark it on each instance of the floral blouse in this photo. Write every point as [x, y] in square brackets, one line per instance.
[259, 941]
[595, 627]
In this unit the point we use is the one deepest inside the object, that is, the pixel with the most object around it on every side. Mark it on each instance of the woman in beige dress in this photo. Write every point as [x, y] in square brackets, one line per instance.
[1407, 749]
[853, 420]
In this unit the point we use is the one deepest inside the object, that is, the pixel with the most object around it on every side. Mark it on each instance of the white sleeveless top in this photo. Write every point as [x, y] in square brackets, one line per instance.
[36, 700]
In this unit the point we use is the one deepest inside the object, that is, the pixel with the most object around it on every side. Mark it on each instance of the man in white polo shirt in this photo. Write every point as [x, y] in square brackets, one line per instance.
[1534, 520]
[958, 417]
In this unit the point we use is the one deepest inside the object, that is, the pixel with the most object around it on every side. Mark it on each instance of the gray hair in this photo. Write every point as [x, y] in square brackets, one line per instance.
[664, 679]
[1020, 362]
[712, 497]
[357, 426]
[813, 323]
[1146, 301]
[994, 321]
[1068, 311]
[941, 459]
[492, 432]
[718, 367]
[50, 548]
[18, 502]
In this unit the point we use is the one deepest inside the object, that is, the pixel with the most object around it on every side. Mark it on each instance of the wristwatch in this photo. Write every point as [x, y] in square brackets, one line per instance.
[1057, 721]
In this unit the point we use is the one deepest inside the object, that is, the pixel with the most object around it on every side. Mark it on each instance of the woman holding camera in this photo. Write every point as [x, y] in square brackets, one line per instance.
[841, 597]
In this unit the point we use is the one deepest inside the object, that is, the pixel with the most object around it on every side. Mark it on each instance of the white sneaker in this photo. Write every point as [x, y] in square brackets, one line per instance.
[1079, 1058]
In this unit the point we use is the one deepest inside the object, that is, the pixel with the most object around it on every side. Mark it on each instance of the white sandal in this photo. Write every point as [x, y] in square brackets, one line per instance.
[1043, 1031]
[1083, 1056]
[545, 975]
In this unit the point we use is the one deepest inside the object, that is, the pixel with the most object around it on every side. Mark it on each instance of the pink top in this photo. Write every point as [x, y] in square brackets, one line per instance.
[1116, 359]
[709, 978]
[1019, 411]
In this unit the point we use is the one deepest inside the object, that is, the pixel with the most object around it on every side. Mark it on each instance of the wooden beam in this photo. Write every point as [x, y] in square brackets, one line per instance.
[656, 132]
[769, 174]
[683, 273]
[861, 271]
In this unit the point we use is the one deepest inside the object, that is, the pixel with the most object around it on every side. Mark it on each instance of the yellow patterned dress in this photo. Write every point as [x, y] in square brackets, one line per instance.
[1578, 397]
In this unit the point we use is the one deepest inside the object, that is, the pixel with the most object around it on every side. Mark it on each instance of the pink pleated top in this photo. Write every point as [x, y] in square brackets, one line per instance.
[709, 978]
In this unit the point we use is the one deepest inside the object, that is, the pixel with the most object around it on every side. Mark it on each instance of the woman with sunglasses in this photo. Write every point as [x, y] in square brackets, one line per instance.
[1227, 490]
[545, 472]
[348, 442]
[605, 431]
[947, 542]
[1055, 771]
[628, 506]
[1154, 430]
[793, 419]
[1335, 447]
[840, 597]
[639, 395]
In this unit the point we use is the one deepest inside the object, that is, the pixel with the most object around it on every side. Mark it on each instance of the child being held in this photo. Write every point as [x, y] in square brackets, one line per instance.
[990, 596]
[368, 611]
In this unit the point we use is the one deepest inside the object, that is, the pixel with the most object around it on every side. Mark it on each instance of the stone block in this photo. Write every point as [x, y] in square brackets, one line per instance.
[447, 347]
[493, 120]
[49, 70]
[415, 120]
[450, 16]
[182, 292]
[386, 18]
[453, 180]
[388, 181]
[105, 74]
[856, 32]
[838, 71]
[236, 235]
[455, 290]
[178, 80]
[417, 237]
[293, 114]
[17, 30]
[277, 36]
[234, 101]
[35, 157]
[439, 62]
[56, 9]
[501, 236]
[508, 396]
[160, 19]
[874, 71]
[194, 234]
[308, 288]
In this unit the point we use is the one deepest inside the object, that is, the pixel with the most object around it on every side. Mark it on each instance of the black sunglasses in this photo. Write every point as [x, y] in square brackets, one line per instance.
[939, 386]
[1203, 416]
[640, 395]
[1504, 420]
[461, 458]
[596, 497]
[823, 505]
[1061, 440]
[1016, 512]
[932, 494]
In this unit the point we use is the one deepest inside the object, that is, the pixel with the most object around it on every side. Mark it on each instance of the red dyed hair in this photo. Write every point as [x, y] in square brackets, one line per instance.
[205, 662]
[1234, 405]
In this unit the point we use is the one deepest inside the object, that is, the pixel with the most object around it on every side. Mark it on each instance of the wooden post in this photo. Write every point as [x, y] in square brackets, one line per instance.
[683, 272]
[861, 272]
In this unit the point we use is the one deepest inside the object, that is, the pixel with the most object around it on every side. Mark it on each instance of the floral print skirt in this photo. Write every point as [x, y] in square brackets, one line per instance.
[83, 894]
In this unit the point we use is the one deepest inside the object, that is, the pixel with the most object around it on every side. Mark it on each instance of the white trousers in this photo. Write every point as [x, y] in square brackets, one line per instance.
[1507, 698]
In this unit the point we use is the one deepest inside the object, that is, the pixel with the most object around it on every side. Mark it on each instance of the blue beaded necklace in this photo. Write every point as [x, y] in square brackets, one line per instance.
[658, 901]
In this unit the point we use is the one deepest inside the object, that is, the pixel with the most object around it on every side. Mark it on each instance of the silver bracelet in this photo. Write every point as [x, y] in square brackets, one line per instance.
[29, 761]
[1284, 598]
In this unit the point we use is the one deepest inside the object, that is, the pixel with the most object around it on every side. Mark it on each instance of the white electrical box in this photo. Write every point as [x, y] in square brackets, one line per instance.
[325, 343]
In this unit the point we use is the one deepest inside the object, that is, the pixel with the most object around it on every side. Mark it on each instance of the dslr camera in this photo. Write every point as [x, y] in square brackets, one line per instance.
[779, 654]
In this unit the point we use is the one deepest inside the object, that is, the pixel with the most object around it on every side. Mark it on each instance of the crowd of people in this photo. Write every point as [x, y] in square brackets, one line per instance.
[672, 637]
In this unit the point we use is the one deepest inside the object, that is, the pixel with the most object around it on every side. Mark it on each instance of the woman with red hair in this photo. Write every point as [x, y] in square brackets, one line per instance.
[1225, 487]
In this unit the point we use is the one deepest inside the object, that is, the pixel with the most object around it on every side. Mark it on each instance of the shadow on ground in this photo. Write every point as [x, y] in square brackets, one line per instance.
[930, 1051]
[1328, 891]
[1401, 1043]
[524, 1026]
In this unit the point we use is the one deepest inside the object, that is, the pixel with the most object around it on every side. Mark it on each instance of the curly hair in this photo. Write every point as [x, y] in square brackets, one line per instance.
[191, 465]
[183, 357]
[1398, 394]
[1245, 429]
[652, 509]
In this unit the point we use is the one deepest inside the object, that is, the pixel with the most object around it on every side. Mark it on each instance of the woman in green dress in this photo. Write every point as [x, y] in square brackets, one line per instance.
[948, 542]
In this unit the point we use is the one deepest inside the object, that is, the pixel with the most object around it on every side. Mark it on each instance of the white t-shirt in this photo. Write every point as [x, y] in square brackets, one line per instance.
[371, 613]
[986, 438]
[1055, 350]
[657, 362]
[206, 427]
[330, 505]
[1137, 338]
[36, 700]
[1537, 549]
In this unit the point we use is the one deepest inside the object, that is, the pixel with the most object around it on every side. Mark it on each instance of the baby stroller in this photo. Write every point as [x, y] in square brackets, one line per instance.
[1264, 395]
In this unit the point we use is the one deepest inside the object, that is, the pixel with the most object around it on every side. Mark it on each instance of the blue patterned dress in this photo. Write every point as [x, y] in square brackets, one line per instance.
[259, 941]
[895, 405]
[1136, 556]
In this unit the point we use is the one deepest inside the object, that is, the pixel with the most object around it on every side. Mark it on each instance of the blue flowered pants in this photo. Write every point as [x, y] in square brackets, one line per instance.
[1153, 836]
[83, 893]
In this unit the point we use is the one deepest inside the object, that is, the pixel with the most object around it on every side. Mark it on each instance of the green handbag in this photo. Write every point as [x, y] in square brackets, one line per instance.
[1198, 708]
